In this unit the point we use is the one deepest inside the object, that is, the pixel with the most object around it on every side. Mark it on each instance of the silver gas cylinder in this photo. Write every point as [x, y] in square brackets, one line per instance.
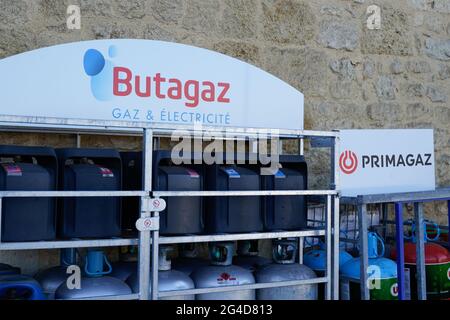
[187, 260]
[248, 257]
[222, 273]
[50, 279]
[284, 269]
[168, 279]
[96, 282]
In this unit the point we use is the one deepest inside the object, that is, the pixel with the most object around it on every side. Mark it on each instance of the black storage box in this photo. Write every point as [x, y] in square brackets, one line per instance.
[132, 181]
[233, 214]
[28, 169]
[89, 170]
[183, 215]
[286, 212]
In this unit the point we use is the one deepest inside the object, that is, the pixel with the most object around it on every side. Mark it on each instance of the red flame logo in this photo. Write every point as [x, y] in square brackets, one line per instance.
[348, 162]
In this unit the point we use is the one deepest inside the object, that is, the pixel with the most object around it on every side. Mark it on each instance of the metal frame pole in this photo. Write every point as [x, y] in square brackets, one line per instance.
[448, 223]
[144, 236]
[420, 252]
[329, 248]
[335, 230]
[400, 250]
[336, 239]
[1, 214]
[363, 251]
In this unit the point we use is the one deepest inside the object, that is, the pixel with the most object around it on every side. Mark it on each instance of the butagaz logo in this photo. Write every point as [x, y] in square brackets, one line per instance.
[348, 162]
[108, 80]
[394, 290]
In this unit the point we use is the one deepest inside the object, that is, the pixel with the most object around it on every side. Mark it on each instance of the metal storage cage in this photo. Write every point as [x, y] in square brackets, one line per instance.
[151, 204]
[371, 211]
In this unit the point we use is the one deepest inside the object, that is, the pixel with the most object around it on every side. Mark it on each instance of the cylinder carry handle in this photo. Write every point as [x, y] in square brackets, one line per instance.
[94, 255]
[373, 243]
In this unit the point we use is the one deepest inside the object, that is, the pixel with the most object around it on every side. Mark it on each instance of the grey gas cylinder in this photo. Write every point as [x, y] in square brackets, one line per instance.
[50, 279]
[96, 283]
[168, 279]
[285, 269]
[222, 273]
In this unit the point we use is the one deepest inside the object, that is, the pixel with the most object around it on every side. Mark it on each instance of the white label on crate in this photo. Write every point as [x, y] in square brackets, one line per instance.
[386, 161]
[144, 82]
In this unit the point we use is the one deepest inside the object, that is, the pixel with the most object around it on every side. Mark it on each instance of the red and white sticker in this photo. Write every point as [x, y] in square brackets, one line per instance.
[106, 172]
[12, 169]
[225, 277]
[192, 173]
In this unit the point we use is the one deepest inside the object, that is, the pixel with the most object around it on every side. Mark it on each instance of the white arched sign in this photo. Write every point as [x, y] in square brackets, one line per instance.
[148, 82]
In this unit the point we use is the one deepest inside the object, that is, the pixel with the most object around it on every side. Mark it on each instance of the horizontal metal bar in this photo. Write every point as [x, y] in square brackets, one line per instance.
[133, 296]
[67, 244]
[242, 236]
[242, 193]
[243, 287]
[26, 194]
[157, 128]
[400, 197]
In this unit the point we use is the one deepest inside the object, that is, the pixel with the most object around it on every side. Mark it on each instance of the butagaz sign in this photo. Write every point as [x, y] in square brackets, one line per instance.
[383, 161]
[148, 83]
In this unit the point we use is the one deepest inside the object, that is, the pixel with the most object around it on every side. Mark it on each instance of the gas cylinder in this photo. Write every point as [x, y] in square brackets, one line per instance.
[285, 268]
[316, 260]
[95, 283]
[126, 265]
[188, 260]
[20, 287]
[382, 272]
[6, 269]
[168, 279]
[248, 257]
[437, 263]
[50, 279]
[221, 273]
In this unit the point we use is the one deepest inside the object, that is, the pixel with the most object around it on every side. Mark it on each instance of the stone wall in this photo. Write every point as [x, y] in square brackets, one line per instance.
[352, 77]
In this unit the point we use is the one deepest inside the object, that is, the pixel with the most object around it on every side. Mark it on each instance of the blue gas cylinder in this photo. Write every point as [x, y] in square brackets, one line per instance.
[20, 287]
[382, 272]
[316, 259]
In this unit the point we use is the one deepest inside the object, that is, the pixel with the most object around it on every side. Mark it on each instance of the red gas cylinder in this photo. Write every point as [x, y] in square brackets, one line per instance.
[437, 268]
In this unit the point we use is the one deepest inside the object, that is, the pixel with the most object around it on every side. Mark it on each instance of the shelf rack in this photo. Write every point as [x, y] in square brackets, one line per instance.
[149, 240]
[398, 199]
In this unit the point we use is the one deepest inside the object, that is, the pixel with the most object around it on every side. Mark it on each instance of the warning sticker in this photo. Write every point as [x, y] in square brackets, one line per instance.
[192, 173]
[12, 169]
[106, 173]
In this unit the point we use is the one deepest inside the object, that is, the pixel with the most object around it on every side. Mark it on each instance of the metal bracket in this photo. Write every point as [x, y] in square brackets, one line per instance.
[153, 205]
[147, 224]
